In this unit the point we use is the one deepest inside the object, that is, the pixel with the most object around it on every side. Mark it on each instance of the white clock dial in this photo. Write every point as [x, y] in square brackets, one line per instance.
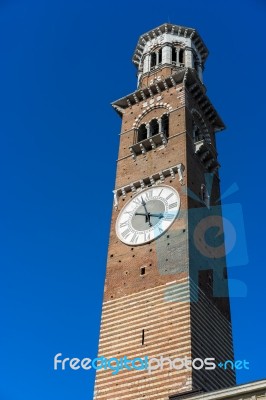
[148, 215]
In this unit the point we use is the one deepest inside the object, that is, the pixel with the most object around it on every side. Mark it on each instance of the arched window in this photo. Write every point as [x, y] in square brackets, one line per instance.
[173, 55]
[154, 127]
[153, 60]
[165, 125]
[142, 133]
[156, 58]
[181, 56]
[160, 56]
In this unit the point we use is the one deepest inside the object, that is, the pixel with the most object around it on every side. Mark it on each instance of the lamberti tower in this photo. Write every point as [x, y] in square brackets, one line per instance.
[166, 291]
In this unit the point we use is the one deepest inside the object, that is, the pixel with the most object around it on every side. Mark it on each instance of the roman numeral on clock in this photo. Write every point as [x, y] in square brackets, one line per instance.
[147, 236]
[134, 238]
[169, 196]
[148, 195]
[172, 205]
[126, 233]
[130, 213]
[137, 201]
[122, 224]
[168, 216]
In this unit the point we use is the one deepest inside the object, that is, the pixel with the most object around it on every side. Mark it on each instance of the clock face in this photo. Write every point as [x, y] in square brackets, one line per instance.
[148, 215]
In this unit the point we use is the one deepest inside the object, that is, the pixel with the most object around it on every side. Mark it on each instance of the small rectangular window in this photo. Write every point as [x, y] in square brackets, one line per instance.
[142, 339]
[142, 271]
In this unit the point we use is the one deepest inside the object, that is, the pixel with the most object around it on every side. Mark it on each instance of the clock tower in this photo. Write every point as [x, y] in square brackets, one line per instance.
[166, 293]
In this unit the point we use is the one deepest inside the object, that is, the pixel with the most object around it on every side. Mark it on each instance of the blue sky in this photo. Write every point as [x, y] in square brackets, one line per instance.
[62, 63]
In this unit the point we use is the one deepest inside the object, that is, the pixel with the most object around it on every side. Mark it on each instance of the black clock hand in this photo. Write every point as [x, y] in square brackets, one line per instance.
[156, 215]
[144, 205]
[147, 219]
[151, 215]
[140, 214]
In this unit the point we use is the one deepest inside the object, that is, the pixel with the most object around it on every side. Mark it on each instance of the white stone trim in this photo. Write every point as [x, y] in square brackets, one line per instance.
[154, 179]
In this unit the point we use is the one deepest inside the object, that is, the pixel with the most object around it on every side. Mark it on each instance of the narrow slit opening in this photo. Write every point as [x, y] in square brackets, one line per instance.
[143, 337]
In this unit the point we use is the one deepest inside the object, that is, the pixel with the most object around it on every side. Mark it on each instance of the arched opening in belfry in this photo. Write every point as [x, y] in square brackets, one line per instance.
[174, 55]
[181, 56]
[154, 127]
[160, 56]
[165, 125]
[153, 60]
[142, 133]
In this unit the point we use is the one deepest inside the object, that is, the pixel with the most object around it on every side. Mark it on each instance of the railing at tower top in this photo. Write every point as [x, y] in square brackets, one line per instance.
[156, 66]
[178, 64]
[175, 63]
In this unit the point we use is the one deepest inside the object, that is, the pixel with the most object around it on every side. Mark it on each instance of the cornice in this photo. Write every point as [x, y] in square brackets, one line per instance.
[191, 82]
